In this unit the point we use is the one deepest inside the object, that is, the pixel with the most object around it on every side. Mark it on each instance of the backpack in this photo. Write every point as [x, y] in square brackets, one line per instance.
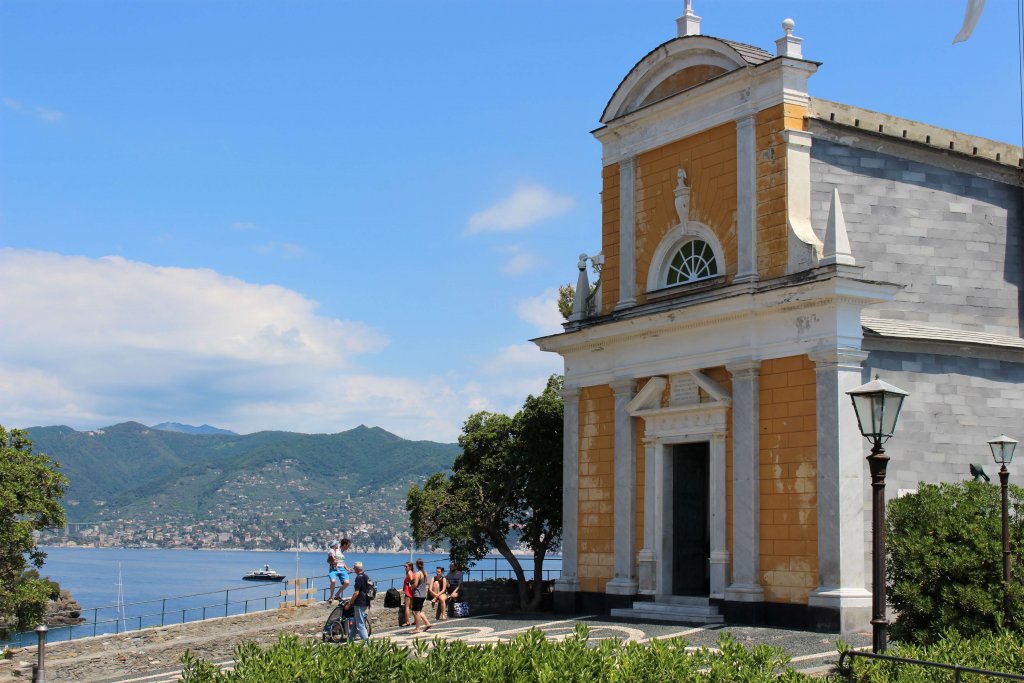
[371, 589]
[393, 598]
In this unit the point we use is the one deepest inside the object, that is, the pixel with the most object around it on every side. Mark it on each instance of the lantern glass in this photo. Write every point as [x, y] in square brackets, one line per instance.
[1002, 449]
[878, 406]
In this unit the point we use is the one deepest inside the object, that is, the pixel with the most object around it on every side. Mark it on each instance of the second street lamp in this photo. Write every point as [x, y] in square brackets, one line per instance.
[877, 405]
[1002, 452]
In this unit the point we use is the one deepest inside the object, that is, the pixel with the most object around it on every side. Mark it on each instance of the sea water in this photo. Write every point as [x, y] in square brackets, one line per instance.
[161, 586]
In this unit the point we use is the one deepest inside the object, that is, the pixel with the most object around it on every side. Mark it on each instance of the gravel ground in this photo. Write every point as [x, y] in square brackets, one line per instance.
[153, 655]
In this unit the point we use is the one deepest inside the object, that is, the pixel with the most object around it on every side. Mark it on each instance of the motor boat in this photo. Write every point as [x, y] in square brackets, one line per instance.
[265, 574]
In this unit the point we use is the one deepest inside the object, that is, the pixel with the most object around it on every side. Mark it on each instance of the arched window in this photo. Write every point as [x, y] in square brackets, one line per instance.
[695, 260]
[686, 255]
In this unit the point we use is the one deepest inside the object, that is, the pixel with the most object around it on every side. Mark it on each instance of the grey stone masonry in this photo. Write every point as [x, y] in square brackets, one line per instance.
[956, 404]
[950, 237]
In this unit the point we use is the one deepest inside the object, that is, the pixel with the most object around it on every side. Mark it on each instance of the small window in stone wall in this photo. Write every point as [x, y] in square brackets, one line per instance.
[694, 261]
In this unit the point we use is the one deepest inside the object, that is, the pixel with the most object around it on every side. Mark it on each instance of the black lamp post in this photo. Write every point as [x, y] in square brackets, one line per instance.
[877, 405]
[1002, 452]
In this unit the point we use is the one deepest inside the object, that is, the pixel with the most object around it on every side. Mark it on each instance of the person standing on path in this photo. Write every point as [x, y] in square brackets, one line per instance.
[419, 596]
[410, 578]
[360, 603]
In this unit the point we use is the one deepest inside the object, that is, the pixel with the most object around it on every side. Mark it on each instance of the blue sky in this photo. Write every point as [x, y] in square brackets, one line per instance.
[311, 215]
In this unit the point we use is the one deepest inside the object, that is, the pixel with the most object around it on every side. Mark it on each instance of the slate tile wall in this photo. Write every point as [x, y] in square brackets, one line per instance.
[952, 238]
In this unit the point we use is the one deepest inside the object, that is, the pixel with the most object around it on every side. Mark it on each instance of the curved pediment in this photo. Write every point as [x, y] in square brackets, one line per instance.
[679, 65]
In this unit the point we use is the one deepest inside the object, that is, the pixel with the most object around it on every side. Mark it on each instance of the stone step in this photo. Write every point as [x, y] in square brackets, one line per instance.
[680, 616]
[677, 608]
[674, 608]
[696, 600]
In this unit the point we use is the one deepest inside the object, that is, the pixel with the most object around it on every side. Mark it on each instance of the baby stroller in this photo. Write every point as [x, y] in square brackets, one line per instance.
[340, 622]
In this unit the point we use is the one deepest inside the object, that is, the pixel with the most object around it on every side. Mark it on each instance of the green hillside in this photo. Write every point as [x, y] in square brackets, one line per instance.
[138, 483]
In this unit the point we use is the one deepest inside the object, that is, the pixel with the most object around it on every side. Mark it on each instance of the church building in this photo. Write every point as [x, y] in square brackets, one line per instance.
[762, 253]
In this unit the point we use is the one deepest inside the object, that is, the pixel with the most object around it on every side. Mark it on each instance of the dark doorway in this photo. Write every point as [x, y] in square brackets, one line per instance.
[690, 535]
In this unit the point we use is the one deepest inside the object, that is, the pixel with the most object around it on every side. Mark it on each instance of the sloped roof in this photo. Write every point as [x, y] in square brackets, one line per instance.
[905, 329]
[751, 53]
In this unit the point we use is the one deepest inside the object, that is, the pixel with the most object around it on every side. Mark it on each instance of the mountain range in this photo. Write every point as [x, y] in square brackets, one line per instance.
[204, 429]
[149, 485]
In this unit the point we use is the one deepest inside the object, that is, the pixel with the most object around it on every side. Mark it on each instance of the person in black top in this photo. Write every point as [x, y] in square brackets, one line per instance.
[360, 603]
[454, 583]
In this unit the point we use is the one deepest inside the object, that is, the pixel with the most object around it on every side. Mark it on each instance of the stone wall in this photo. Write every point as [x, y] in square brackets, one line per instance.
[948, 231]
[502, 596]
[956, 405]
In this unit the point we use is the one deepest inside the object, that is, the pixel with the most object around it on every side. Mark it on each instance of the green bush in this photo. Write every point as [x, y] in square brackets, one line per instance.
[529, 658]
[945, 560]
[1001, 651]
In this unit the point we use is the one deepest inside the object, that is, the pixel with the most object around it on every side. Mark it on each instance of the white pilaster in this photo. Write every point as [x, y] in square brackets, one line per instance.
[625, 580]
[568, 581]
[717, 486]
[627, 233]
[746, 199]
[841, 575]
[746, 489]
[648, 556]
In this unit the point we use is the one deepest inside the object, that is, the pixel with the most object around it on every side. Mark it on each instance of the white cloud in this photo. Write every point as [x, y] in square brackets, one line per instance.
[42, 113]
[99, 340]
[93, 342]
[542, 312]
[520, 261]
[512, 374]
[242, 225]
[525, 207]
[285, 249]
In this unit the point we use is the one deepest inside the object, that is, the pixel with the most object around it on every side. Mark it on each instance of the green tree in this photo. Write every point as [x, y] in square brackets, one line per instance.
[507, 480]
[945, 560]
[29, 501]
[566, 296]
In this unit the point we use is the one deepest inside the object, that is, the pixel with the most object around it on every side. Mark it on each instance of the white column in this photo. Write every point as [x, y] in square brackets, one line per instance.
[648, 557]
[719, 548]
[663, 518]
[627, 233]
[841, 561]
[746, 200]
[568, 581]
[746, 484]
[625, 579]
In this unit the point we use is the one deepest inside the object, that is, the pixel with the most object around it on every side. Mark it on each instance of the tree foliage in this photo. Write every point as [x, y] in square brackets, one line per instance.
[945, 556]
[507, 481]
[29, 500]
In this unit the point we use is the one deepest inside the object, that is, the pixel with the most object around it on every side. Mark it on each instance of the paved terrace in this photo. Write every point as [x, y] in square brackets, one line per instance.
[151, 655]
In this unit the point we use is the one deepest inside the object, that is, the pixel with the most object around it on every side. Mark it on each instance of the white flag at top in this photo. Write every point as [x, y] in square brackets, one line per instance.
[971, 17]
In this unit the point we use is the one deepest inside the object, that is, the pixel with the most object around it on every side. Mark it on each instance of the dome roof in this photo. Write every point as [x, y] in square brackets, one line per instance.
[677, 65]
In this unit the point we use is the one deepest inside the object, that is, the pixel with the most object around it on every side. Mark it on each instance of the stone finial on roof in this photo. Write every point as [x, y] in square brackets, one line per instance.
[689, 23]
[837, 242]
[579, 302]
[789, 45]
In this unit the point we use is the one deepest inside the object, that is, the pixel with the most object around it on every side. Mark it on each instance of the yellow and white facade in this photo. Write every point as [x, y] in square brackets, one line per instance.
[712, 464]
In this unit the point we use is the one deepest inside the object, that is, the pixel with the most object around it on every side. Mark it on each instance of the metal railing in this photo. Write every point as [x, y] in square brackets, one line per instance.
[171, 611]
[957, 670]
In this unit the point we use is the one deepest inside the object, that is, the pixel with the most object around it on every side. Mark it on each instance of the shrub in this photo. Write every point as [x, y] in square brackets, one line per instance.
[1001, 651]
[528, 658]
[945, 558]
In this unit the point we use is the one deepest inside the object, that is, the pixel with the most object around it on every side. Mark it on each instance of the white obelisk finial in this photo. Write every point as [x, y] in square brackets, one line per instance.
[837, 242]
[689, 23]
